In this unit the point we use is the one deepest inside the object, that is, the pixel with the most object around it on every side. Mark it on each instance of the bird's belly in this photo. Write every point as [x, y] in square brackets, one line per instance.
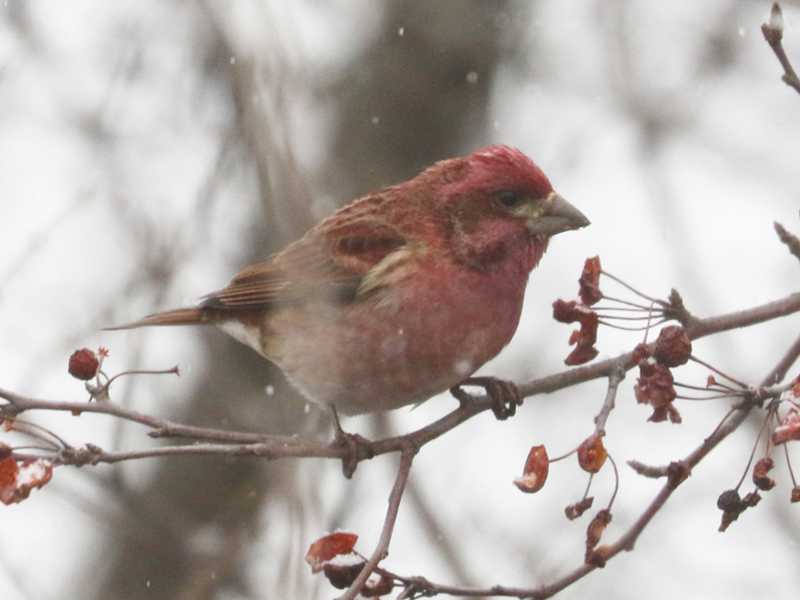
[378, 356]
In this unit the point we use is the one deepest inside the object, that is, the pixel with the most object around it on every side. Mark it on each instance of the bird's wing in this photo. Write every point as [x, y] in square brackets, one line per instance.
[329, 262]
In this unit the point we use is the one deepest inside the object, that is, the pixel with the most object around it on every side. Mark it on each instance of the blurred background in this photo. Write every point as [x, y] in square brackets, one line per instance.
[148, 150]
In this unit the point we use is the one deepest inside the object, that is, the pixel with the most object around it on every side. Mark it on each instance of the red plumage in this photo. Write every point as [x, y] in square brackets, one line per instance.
[402, 293]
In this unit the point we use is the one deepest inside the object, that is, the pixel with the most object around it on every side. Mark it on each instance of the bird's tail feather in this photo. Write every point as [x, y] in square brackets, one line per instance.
[179, 316]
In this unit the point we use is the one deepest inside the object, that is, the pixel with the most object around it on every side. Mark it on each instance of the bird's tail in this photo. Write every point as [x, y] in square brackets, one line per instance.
[179, 316]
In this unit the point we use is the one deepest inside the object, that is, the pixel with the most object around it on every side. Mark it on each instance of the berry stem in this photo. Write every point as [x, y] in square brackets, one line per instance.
[631, 288]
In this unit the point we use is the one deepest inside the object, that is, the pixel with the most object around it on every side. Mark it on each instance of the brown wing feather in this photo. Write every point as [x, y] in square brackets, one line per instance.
[330, 261]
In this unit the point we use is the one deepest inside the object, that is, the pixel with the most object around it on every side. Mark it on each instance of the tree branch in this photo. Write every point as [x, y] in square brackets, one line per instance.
[381, 550]
[677, 473]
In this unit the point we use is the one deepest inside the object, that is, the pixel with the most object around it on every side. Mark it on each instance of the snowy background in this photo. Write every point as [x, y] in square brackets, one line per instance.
[149, 150]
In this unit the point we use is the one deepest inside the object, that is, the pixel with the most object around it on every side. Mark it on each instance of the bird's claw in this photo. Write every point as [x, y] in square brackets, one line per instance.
[357, 446]
[505, 395]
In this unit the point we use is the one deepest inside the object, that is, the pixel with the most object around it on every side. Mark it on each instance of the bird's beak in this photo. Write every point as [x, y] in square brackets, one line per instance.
[556, 215]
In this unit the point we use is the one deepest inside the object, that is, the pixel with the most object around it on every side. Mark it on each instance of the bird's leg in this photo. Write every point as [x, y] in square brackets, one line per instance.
[505, 395]
[358, 446]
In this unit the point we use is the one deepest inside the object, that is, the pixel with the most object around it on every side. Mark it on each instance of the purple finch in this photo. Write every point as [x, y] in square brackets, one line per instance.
[402, 293]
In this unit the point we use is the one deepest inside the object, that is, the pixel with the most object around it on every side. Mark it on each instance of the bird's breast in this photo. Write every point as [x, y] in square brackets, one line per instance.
[426, 332]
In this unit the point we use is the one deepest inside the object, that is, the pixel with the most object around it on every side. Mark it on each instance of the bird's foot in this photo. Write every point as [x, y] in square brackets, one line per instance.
[357, 446]
[505, 395]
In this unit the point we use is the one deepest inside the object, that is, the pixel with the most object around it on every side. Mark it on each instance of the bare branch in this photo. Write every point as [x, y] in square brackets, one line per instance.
[677, 473]
[381, 550]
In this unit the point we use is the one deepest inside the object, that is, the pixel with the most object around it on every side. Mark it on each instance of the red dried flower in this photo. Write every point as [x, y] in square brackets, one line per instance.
[535, 472]
[673, 346]
[83, 364]
[589, 281]
[592, 454]
[795, 497]
[760, 478]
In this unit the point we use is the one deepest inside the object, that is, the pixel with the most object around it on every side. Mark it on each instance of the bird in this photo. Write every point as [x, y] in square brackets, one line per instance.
[401, 294]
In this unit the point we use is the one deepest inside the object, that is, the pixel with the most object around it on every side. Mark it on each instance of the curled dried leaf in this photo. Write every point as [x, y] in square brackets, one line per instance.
[535, 472]
[329, 546]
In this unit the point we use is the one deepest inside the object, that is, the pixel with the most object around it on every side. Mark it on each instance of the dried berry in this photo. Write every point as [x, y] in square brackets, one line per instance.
[592, 454]
[535, 472]
[673, 346]
[729, 500]
[83, 364]
[341, 576]
[760, 478]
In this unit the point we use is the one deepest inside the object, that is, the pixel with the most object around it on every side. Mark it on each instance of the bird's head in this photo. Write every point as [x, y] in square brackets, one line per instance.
[500, 203]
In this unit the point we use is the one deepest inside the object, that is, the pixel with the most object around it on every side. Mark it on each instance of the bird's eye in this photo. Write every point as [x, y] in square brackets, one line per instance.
[510, 199]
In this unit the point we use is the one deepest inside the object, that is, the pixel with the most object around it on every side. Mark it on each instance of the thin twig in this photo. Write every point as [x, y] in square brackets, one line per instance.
[773, 33]
[791, 240]
[403, 470]
[614, 380]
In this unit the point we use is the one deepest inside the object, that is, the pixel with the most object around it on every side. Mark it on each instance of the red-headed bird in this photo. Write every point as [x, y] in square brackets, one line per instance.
[404, 292]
